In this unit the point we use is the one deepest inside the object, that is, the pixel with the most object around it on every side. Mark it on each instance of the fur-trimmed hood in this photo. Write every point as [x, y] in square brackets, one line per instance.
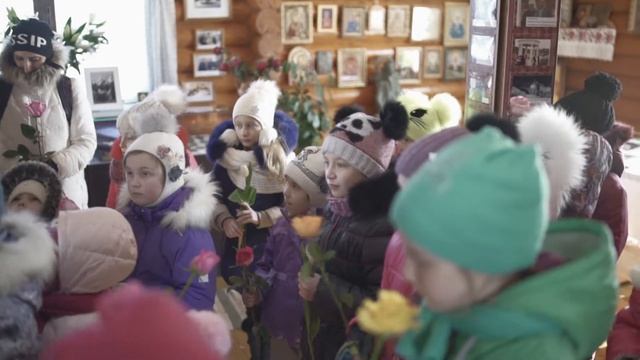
[368, 206]
[221, 139]
[46, 76]
[195, 211]
[27, 251]
[562, 145]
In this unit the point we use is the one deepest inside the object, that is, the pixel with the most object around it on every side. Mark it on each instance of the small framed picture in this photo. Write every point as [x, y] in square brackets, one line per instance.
[456, 24]
[426, 23]
[485, 13]
[481, 87]
[352, 67]
[455, 63]
[209, 39]
[377, 20]
[327, 19]
[433, 62]
[353, 20]
[409, 63]
[540, 13]
[634, 17]
[398, 20]
[297, 22]
[302, 58]
[205, 65]
[207, 9]
[103, 87]
[198, 91]
[537, 89]
[531, 52]
[324, 62]
[482, 49]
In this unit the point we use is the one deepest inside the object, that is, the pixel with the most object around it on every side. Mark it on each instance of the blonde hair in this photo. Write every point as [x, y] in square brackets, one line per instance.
[275, 158]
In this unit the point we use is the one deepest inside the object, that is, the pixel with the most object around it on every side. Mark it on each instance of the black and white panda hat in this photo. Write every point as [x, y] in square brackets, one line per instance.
[366, 142]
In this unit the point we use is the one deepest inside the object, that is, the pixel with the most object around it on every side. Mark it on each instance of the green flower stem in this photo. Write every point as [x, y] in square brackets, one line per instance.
[332, 291]
[187, 285]
[307, 323]
[378, 345]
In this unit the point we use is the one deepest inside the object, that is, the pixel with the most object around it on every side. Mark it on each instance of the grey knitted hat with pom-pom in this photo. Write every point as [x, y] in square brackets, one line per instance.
[592, 106]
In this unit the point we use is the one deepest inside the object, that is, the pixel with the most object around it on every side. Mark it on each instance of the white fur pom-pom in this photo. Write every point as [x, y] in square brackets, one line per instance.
[268, 136]
[266, 90]
[562, 145]
[230, 137]
[172, 97]
[151, 116]
[214, 329]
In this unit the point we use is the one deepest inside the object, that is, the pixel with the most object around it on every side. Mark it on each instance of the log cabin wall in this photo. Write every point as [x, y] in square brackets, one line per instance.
[241, 39]
[625, 65]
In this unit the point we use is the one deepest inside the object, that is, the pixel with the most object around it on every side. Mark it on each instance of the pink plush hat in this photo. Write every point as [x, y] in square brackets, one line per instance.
[366, 142]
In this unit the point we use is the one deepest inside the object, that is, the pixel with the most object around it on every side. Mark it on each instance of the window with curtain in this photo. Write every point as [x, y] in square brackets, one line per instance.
[125, 30]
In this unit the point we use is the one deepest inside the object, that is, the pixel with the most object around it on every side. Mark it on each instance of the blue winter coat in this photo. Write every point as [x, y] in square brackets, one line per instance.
[172, 233]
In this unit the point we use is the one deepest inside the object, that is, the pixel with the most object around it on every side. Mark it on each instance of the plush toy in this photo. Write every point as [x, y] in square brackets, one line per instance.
[429, 116]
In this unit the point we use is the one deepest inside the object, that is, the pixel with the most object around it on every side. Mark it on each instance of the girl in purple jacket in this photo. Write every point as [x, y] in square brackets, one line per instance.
[169, 211]
[282, 310]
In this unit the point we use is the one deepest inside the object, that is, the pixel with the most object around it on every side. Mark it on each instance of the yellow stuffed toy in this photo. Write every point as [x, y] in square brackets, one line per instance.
[429, 116]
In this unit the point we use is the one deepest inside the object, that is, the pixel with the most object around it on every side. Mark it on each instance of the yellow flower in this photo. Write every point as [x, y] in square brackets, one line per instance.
[391, 315]
[307, 226]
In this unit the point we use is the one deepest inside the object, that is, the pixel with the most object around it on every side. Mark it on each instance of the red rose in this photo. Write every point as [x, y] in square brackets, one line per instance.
[275, 63]
[204, 262]
[244, 256]
[218, 50]
[224, 67]
[261, 66]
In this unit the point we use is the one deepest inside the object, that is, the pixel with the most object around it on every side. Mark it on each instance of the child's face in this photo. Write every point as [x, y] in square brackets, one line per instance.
[145, 178]
[27, 202]
[248, 130]
[296, 200]
[341, 176]
[443, 285]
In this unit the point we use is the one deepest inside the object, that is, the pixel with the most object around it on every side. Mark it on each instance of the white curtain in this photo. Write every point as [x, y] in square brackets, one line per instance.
[162, 42]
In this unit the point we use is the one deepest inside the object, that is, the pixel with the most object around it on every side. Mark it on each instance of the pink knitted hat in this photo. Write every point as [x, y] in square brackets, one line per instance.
[367, 142]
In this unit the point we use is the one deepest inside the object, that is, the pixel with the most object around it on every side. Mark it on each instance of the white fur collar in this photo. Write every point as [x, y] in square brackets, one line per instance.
[45, 77]
[197, 210]
[31, 256]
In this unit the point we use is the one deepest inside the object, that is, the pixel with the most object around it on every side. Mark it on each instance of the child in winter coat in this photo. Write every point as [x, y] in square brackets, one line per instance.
[33, 186]
[253, 138]
[96, 251]
[27, 258]
[478, 303]
[359, 147]
[624, 340]
[169, 211]
[261, 138]
[167, 99]
[282, 309]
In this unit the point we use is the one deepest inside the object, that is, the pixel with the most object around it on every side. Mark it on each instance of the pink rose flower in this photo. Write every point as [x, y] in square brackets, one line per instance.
[204, 262]
[35, 108]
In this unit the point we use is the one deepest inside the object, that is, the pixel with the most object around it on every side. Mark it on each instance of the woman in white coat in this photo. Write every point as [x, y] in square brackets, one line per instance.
[32, 64]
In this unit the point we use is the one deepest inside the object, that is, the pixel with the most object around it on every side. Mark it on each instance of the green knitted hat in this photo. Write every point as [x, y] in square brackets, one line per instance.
[481, 204]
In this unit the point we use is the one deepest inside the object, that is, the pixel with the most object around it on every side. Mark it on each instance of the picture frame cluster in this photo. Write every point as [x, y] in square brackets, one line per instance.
[444, 27]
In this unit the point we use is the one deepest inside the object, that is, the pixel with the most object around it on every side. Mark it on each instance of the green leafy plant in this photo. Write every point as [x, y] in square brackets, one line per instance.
[84, 39]
[308, 109]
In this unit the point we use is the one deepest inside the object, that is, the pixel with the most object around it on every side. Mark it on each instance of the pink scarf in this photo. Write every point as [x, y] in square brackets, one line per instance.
[339, 206]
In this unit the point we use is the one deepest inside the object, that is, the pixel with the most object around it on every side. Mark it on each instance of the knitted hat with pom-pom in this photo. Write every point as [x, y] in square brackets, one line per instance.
[259, 103]
[592, 106]
[156, 113]
[366, 142]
